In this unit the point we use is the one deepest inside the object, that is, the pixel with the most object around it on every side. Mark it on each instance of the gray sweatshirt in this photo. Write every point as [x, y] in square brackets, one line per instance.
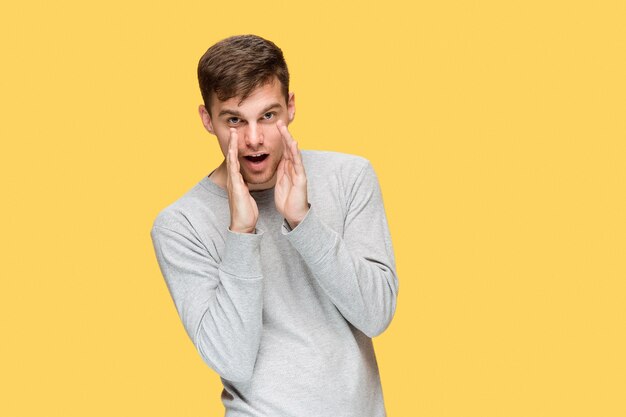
[286, 316]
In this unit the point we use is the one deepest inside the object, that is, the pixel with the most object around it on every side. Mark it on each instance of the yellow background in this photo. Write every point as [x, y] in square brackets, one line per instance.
[497, 129]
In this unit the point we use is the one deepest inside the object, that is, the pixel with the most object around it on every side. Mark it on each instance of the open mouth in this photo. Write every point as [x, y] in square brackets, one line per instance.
[257, 158]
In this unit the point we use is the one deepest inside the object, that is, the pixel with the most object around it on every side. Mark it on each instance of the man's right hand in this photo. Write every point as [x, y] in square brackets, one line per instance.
[243, 209]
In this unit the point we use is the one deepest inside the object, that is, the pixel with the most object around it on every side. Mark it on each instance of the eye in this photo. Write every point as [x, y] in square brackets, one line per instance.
[233, 120]
[269, 115]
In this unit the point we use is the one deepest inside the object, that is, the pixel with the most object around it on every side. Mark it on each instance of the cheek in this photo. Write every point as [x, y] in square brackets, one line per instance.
[223, 136]
[273, 138]
[223, 142]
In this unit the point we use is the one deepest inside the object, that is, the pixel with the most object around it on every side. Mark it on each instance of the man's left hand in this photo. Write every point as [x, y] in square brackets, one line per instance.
[290, 193]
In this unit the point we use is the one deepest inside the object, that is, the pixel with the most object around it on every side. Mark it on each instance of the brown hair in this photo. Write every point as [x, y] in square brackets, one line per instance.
[237, 65]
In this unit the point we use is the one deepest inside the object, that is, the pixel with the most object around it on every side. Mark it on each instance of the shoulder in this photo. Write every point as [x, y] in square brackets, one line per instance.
[338, 176]
[337, 163]
[332, 157]
[179, 215]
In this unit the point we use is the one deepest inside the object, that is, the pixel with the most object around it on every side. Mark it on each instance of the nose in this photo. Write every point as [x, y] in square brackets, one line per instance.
[253, 135]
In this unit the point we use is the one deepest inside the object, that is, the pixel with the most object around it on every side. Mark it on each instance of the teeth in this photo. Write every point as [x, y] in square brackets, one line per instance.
[259, 154]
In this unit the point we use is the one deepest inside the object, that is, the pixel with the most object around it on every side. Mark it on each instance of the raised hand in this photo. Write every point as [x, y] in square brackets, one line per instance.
[290, 193]
[243, 209]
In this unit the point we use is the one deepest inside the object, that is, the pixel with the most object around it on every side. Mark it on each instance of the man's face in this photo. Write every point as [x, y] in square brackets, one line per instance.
[260, 142]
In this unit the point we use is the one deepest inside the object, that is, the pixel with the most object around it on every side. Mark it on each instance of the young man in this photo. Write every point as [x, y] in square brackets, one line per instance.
[279, 262]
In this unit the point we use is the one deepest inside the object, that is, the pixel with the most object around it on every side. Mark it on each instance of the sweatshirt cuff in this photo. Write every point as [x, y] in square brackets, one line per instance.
[311, 237]
[242, 254]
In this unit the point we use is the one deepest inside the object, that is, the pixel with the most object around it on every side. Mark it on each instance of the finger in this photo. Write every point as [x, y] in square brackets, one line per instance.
[284, 170]
[285, 149]
[291, 147]
[228, 161]
[280, 171]
[233, 152]
[282, 127]
[286, 152]
[234, 176]
[297, 158]
[287, 139]
[289, 171]
[292, 171]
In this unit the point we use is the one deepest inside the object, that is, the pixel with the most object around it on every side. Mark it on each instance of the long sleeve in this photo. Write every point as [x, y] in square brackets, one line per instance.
[219, 301]
[356, 270]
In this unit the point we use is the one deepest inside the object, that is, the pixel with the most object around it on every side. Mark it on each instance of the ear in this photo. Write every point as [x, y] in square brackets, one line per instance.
[291, 106]
[206, 119]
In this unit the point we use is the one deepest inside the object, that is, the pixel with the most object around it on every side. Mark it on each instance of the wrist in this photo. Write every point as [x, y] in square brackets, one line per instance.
[242, 230]
[295, 221]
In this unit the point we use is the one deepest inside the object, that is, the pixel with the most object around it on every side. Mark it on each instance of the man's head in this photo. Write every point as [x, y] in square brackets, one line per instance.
[244, 83]
[235, 66]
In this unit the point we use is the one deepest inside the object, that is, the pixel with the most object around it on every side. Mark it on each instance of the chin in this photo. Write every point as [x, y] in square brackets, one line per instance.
[260, 178]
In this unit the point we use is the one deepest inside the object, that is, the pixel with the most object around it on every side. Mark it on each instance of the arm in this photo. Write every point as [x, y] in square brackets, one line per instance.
[219, 302]
[356, 270]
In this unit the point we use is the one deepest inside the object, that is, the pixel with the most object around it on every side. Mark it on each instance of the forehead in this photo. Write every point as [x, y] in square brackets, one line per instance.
[259, 100]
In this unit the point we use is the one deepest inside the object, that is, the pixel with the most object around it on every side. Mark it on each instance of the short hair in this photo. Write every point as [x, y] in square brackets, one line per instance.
[236, 66]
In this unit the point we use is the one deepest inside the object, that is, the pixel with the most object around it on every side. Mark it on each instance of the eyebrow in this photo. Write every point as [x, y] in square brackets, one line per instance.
[238, 114]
